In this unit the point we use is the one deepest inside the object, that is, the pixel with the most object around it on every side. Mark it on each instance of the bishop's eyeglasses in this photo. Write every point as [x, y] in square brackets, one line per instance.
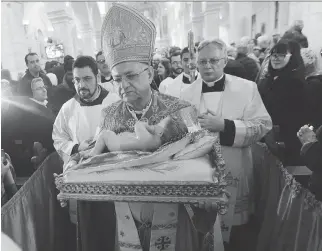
[128, 77]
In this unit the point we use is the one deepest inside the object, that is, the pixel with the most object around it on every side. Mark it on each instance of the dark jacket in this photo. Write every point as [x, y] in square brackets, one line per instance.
[235, 68]
[312, 156]
[59, 95]
[24, 88]
[24, 123]
[285, 100]
[59, 72]
[250, 66]
[314, 94]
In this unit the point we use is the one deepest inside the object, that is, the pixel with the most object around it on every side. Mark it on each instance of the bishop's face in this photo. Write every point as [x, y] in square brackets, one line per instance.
[134, 80]
[211, 63]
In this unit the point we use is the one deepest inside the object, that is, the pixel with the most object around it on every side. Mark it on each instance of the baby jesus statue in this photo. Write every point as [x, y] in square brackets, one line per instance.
[145, 138]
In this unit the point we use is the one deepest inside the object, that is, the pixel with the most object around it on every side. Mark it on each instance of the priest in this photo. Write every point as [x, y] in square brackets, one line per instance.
[233, 107]
[77, 121]
[128, 39]
[176, 87]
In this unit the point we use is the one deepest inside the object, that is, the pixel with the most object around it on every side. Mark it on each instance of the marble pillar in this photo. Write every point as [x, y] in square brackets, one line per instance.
[97, 40]
[62, 23]
[240, 14]
[14, 43]
[197, 21]
[211, 20]
[87, 38]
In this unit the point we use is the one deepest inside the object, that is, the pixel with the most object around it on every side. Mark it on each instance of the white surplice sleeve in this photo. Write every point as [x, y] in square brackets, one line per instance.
[63, 141]
[255, 124]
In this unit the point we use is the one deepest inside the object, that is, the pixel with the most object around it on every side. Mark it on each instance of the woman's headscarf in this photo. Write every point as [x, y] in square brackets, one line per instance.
[295, 63]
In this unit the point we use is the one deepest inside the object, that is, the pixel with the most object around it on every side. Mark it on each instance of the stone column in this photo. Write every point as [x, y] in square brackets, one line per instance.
[14, 43]
[87, 37]
[240, 14]
[97, 40]
[63, 23]
[211, 20]
[197, 21]
[187, 24]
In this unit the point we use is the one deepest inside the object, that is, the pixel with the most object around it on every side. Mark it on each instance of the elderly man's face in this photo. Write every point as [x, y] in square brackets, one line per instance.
[134, 80]
[211, 63]
[39, 91]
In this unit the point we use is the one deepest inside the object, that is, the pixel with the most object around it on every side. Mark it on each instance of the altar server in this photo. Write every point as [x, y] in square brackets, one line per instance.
[78, 119]
[176, 86]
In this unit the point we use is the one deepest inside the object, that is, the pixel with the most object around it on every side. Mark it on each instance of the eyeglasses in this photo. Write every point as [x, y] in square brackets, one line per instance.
[41, 88]
[278, 55]
[212, 61]
[102, 61]
[85, 80]
[176, 63]
[128, 77]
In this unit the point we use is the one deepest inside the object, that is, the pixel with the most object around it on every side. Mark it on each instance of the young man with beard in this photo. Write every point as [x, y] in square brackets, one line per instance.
[183, 80]
[78, 119]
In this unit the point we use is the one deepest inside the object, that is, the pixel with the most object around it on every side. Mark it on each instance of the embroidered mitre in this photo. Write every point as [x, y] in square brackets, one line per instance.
[127, 35]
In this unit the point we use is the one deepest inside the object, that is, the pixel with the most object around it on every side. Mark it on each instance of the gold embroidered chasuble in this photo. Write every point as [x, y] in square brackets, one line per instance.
[153, 227]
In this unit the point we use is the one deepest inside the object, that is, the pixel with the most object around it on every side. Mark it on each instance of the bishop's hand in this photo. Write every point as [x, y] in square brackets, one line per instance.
[211, 122]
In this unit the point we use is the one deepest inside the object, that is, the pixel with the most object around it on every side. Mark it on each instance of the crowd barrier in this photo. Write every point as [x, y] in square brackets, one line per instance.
[33, 217]
[290, 217]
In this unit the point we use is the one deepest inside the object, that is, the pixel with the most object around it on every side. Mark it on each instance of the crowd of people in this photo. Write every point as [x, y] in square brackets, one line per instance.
[265, 89]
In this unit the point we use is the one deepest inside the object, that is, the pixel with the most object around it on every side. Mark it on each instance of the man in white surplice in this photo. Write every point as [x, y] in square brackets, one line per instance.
[233, 107]
[176, 86]
[78, 119]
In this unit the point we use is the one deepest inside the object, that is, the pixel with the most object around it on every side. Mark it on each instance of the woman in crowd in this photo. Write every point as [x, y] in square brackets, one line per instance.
[164, 72]
[283, 93]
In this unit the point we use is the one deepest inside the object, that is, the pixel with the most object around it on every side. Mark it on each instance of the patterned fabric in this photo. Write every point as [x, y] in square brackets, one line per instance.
[118, 119]
[292, 215]
[127, 35]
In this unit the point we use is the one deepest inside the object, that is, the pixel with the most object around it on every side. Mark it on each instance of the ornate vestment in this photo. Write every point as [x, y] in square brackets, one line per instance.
[148, 226]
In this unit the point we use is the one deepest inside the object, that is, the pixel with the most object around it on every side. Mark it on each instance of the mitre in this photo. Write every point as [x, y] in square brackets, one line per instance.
[127, 35]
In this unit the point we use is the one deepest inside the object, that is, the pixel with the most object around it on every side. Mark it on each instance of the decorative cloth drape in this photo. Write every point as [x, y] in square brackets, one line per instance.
[33, 217]
[292, 216]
